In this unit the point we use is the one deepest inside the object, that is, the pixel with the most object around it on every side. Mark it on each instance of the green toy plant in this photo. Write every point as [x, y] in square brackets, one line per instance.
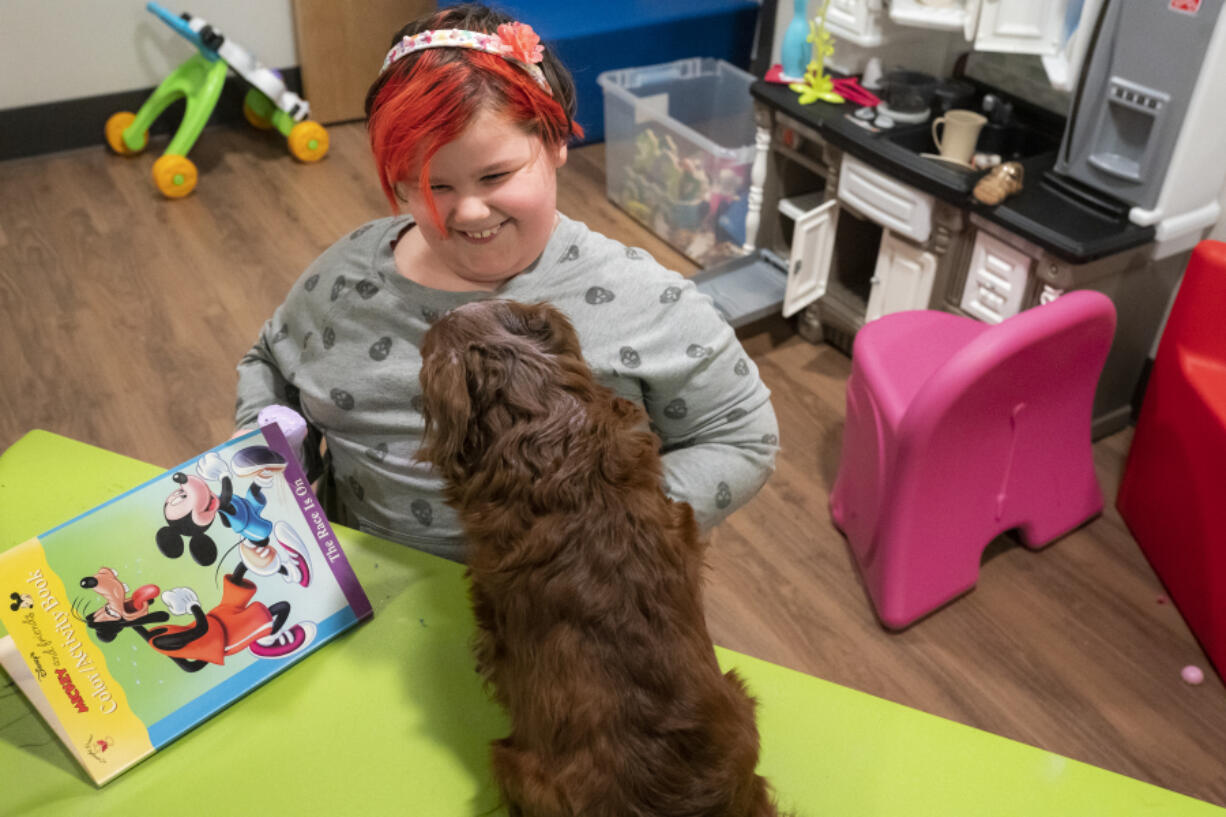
[816, 85]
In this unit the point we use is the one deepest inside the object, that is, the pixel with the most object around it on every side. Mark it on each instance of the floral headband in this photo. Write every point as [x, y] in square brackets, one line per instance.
[515, 42]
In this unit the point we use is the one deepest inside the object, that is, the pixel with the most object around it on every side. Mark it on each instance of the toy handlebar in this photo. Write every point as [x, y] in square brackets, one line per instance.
[193, 29]
[214, 46]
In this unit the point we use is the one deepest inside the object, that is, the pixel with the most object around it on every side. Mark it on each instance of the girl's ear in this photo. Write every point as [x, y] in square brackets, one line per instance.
[559, 158]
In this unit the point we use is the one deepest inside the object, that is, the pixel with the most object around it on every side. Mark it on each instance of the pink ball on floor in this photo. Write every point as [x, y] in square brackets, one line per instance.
[1192, 674]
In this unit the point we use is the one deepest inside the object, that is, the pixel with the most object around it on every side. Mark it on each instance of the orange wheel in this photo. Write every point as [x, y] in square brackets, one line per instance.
[175, 176]
[308, 141]
[254, 118]
[115, 127]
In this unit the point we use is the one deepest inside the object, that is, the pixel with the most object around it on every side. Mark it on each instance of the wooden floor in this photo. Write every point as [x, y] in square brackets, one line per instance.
[122, 316]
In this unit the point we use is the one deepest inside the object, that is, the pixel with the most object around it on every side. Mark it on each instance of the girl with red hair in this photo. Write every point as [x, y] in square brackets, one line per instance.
[469, 121]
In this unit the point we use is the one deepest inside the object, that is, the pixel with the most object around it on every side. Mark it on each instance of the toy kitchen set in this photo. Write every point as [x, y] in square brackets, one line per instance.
[1097, 163]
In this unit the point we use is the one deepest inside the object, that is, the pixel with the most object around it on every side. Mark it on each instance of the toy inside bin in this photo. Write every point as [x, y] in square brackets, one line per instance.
[678, 149]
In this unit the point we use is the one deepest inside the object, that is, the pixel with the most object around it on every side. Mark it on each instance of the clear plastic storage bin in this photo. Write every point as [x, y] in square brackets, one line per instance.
[679, 142]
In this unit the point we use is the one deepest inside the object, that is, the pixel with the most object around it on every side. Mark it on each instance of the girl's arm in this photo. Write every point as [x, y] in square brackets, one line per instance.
[709, 407]
[261, 381]
[264, 386]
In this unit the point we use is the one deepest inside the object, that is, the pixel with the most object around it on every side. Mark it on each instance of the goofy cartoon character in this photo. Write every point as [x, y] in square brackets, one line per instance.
[234, 624]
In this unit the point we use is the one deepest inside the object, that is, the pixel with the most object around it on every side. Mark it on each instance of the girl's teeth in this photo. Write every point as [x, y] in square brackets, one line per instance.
[484, 233]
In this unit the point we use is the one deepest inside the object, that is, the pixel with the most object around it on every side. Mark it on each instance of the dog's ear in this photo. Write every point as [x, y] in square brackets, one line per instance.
[491, 386]
[447, 408]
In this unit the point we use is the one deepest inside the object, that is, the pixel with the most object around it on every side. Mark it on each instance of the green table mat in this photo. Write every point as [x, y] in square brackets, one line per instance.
[391, 719]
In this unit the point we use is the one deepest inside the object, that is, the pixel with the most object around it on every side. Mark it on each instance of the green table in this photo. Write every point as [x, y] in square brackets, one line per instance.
[390, 718]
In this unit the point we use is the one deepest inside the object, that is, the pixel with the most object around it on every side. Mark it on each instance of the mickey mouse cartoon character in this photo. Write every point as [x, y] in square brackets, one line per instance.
[192, 506]
[21, 601]
[234, 624]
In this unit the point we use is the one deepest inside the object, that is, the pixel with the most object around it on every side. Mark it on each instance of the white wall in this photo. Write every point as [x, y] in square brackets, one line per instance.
[53, 50]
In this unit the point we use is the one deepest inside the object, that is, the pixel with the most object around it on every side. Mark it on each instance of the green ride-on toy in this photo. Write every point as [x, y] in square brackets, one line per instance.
[267, 105]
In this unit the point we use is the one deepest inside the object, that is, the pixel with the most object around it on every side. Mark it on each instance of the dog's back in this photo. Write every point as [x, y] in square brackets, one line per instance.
[599, 650]
[586, 585]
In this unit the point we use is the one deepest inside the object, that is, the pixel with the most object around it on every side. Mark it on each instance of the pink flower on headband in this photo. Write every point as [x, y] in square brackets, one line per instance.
[522, 42]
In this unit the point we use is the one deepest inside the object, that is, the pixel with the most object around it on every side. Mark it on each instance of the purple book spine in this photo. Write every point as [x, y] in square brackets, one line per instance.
[321, 530]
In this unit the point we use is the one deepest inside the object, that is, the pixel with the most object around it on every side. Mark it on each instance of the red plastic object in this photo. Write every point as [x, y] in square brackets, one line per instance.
[847, 87]
[1174, 484]
[850, 89]
[775, 75]
[958, 431]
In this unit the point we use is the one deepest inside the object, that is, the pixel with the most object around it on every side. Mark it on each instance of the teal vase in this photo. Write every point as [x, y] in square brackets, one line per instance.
[796, 52]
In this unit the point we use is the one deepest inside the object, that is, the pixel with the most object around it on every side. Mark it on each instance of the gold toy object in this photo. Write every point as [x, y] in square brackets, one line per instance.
[999, 183]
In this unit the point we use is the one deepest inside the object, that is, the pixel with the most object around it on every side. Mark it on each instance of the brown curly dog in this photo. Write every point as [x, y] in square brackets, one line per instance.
[585, 581]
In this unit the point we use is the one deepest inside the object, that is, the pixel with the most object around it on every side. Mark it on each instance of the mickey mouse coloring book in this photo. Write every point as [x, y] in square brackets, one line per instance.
[136, 621]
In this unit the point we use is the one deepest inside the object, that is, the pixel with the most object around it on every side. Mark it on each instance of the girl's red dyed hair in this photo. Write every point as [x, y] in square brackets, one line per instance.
[427, 99]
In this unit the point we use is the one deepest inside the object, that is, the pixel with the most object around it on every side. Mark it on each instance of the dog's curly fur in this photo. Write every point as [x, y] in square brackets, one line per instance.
[585, 580]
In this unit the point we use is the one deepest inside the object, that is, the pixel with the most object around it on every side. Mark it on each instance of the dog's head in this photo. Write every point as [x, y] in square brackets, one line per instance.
[503, 383]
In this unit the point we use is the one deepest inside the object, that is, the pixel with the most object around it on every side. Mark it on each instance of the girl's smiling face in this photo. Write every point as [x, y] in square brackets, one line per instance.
[495, 187]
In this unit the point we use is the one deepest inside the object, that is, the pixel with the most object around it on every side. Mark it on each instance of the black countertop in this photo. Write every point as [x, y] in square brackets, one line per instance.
[1039, 214]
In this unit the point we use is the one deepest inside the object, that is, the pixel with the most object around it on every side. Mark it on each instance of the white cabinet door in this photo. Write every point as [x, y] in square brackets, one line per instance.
[970, 23]
[902, 279]
[856, 21]
[1021, 26]
[1036, 27]
[949, 16]
[812, 251]
[1064, 67]
[996, 281]
[884, 200]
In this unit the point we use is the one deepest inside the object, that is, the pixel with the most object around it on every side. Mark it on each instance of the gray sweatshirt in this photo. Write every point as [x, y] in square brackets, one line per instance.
[344, 351]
